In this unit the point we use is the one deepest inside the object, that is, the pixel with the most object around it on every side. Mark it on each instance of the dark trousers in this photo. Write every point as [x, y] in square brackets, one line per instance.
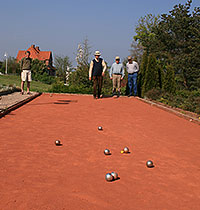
[97, 85]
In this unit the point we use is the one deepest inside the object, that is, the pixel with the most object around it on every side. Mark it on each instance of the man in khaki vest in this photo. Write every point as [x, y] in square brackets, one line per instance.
[26, 72]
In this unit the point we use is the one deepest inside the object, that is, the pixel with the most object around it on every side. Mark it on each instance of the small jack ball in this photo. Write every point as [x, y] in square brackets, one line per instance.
[100, 128]
[149, 164]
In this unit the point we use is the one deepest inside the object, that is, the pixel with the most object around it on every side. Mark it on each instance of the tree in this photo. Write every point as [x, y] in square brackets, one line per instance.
[1, 64]
[63, 66]
[142, 71]
[136, 51]
[145, 30]
[151, 79]
[178, 42]
[83, 53]
[169, 84]
[13, 66]
[79, 77]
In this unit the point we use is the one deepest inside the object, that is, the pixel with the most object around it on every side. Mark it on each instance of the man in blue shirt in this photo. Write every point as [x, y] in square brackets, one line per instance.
[116, 75]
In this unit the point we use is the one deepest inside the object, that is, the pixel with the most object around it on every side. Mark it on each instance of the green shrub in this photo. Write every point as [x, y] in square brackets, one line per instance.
[45, 78]
[153, 94]
[187, 100]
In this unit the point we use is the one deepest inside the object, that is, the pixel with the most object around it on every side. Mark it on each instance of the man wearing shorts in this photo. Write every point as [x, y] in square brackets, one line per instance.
[26, 72]
[96, 72]
[116, 75]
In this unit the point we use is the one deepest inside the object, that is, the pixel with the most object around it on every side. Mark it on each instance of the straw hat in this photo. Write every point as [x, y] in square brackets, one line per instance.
[97, 53]
[117, 58]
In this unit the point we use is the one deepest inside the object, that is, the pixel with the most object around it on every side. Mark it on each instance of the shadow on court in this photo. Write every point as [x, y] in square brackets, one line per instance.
[55, 102]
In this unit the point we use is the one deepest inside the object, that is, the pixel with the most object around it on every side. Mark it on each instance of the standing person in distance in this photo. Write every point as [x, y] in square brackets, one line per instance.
[25, 67]
[96, 72]
[132, 68]
[116, 75]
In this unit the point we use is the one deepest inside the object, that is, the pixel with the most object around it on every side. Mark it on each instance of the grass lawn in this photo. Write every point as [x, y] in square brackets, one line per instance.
[7, 80]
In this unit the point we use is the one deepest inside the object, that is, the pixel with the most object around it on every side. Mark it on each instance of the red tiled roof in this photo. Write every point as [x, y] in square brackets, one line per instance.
[35, 53]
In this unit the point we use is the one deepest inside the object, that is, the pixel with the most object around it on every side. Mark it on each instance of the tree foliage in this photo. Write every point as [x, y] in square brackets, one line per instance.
[178, 35]
[136, 51]
[141, 76]
[39, 73]
[145, 34]
[151, 78]
[63, 66]
[79, 77]
[174, 38]
[169, 84]
[12, 65]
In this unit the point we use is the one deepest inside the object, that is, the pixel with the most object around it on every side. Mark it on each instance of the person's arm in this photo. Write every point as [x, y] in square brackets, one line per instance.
[31, 62]
[122, 72]
[21, 63]
[111, 71]
[138, 67]
[90, 70]
[104, 67]
[127, 67]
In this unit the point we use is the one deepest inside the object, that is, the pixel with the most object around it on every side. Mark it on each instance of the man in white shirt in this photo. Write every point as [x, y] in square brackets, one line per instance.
[132, 68]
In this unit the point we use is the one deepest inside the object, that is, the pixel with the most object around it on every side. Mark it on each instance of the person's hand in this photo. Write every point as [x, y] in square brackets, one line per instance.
[111, 78]
[90, 78]
[122, 78]
[103, 73]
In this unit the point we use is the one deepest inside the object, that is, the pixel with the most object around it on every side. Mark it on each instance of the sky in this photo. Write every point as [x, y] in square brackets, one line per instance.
[59, 26]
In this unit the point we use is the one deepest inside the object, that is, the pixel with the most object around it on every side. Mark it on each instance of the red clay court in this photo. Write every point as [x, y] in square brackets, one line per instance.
[37, 175]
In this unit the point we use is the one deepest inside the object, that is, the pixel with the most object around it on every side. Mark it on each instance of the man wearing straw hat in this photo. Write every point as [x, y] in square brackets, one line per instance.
[96, 72]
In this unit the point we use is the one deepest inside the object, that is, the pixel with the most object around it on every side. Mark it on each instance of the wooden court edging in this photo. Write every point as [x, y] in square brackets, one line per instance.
[17, 105]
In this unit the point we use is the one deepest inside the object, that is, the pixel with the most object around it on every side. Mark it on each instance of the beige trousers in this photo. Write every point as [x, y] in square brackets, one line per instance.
[116, 81]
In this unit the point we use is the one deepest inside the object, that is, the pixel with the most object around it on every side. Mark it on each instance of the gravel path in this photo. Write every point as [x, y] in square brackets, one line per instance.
[9, 100]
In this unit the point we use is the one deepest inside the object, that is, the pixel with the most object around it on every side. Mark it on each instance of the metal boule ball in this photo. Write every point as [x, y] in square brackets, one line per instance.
[100, 128]
[115, 175]
[107, 152]
[58, 142]
[109, 177]
[149, 164]
[126, 150]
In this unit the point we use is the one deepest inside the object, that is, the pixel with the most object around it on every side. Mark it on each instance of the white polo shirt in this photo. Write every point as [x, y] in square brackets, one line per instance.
[132, 67]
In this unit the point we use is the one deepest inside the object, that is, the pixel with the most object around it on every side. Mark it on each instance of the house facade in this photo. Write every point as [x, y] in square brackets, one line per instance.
[36, 53]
